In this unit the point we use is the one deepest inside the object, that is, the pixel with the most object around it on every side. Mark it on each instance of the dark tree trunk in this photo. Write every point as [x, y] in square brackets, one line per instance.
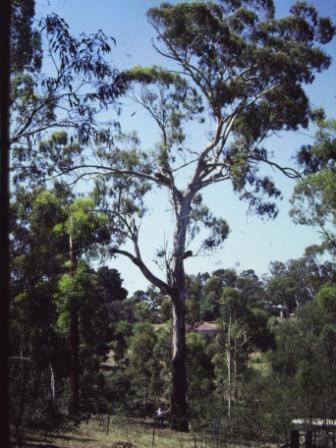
[178, 406]
[5, 16]
[179, 419]
[74, 366]
[18, 421]
[74, 344]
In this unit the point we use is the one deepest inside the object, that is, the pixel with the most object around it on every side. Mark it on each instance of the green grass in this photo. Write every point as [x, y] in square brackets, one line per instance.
[123, 433]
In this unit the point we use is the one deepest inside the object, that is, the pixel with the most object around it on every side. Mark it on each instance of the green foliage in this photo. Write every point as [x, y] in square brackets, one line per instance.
[36, 347]
[25, 44]
[327, 298]
[314, 196]
[43, 290]
[304, 357]
[200, 374]
[147, 372]
[296, 282]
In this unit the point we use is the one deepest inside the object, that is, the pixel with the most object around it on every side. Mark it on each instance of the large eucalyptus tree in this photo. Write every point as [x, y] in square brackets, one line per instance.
[234, 66]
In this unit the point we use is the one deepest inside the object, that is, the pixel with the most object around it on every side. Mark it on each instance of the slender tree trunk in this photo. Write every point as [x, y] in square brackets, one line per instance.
[179, 419]
[74, 370]
[74, 345]
[228, 358]
[18, 421]
[235, 367]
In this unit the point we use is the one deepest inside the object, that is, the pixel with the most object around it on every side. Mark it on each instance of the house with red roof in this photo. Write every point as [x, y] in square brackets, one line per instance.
[208, 329]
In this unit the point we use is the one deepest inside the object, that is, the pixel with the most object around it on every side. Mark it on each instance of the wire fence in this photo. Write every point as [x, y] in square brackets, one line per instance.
[219, 435]
[130, 427]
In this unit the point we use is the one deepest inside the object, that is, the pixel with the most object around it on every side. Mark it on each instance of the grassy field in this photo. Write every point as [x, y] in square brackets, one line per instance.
[122, 433]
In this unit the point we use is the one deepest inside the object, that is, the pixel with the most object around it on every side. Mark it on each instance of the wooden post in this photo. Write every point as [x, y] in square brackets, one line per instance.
[309, 439]
[295, 439]
[153, 439]
[218, 429]
[108, 424]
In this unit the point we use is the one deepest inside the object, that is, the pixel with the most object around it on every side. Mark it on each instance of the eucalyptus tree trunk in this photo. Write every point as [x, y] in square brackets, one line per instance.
[179, 417]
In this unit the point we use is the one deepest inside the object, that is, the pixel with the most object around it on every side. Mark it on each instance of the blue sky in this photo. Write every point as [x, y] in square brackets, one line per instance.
[252, 243]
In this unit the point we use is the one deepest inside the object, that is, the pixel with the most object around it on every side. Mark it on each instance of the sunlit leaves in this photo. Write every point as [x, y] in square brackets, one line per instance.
[224, 44]
[326, 297]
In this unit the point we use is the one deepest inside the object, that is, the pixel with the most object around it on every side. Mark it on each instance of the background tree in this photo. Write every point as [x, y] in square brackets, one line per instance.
[99, 311]
[85, 228]
[194, 298]
[25, 39]
[144, 366]
[303, 358]
[251, 288]
[296, 282]
[42, 292]
[200, 376]
[35, 345]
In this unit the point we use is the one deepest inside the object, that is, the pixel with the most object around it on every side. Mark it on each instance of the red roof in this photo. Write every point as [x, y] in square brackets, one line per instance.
[203, 328]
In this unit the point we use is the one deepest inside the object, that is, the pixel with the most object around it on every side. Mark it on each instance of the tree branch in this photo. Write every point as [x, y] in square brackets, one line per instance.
[286, 170]
[161, 180]
[143, 268]
[201, 161]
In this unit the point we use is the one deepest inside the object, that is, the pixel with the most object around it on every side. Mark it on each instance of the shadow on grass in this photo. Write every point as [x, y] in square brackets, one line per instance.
[42, 445]
[70, 437]
[49, 441]
[143, 422]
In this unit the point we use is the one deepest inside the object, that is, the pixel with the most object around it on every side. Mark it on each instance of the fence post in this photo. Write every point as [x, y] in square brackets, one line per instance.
[218, 429]
[295, 438]
[153, 439]
[309, 439]
[107, 424]
[195, 441]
